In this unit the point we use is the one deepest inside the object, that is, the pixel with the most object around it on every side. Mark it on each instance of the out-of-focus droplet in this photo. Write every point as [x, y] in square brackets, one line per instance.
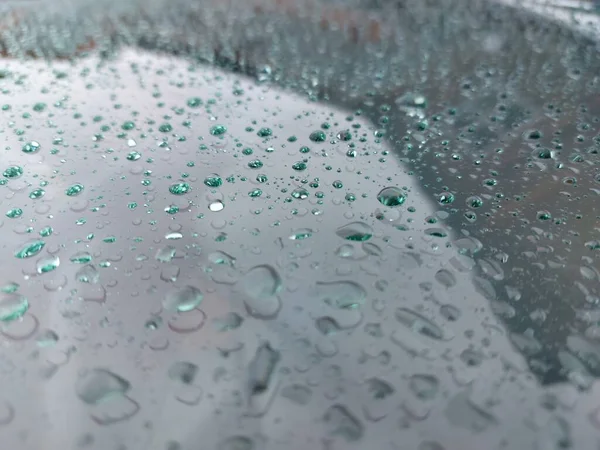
[98, 385]
[183, 299]
[12, 306]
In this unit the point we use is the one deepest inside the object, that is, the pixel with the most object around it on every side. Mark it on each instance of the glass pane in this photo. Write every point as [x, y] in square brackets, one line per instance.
[277, 224]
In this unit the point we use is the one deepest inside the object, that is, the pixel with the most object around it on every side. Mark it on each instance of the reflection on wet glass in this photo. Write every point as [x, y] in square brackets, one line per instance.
[291, 225]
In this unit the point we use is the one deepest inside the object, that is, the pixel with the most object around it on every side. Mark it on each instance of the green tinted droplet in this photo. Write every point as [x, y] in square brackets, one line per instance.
[13, 172]
[264, 132]
[255, 193]
[31, 147]
[30, 249]
[318, 136]
[134, 156]
[48, 264]
[213, 181]
[350, 197]
[39, 107]
[391, 196]
[179, 188]
[544, 215]
[301, 234]
[9, 287]
[36, 193]
[300, 193]
[337, 184]
[247, 151]
[474, 201]
[14, 213]
[47, 231]
[344, 135]
[74, 190]
[12, 306]
[165, 128]
[299, 166]
[261, 178]
[172, 209]
[355, 231]
[304, 149]
[446, 198]
[218, 130]
[194, 102]
[129, 125]
[255, 164]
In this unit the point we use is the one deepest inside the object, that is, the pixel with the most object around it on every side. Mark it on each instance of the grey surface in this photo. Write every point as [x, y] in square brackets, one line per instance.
[509, 278]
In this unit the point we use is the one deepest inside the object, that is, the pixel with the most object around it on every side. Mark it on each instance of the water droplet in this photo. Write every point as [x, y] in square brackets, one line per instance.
[216, 206]
[236, 443]
[424, 386]
[343, 423]
[179, 188]
[297, 393]
[218, 130]
[355, 231]
[12, 306]
[318, 136]
[391, 196]
[29, 249]
[418, 323]
[99, 385]
[229, 321]
[301, 234]
[31, 147]
[183, 299]
[262, 367]
[13, 172]
[47, 264]
[183, 372]
[341, 294]
[133, 156]
[213, 180]
[74, 189]
[259, 288]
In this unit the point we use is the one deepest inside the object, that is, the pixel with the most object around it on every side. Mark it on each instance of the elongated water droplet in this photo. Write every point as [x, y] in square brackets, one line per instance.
[355, 231]
[29, 249]
[261, 368]
[343, 423]
[12, 306]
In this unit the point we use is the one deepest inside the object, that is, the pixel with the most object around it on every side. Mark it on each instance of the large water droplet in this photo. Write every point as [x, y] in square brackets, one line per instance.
[99, 385]
[261, 368]
[424, 386]
[418, 323]
[259, 288]
[183, 299]
[355, 231]
[12, 306]
[343, 423]
[341, 294]
[391, 196]
[29, 249]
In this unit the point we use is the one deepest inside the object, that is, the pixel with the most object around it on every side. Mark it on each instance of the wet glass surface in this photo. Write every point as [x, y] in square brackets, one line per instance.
[347, 225]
